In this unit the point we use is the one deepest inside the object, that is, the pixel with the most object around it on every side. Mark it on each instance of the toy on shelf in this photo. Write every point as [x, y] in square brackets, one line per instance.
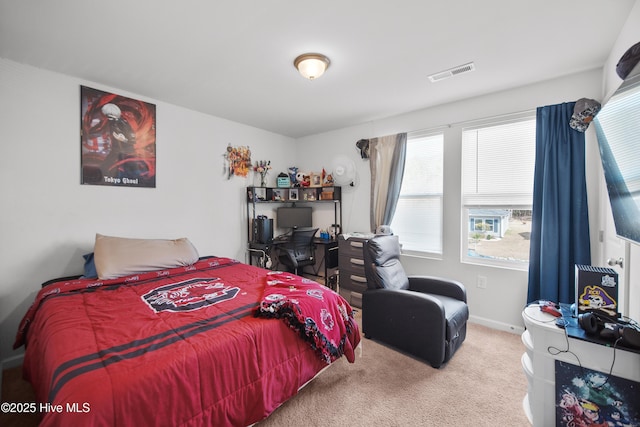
[293, 175]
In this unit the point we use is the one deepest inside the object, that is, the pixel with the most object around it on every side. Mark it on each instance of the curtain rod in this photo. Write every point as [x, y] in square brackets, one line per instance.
[474, 122]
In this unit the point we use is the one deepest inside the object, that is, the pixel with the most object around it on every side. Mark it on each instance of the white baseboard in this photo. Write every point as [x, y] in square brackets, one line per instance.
[496, 325]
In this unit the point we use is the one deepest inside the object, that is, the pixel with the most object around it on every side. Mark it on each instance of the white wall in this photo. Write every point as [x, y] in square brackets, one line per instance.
[501, 303]
[629, 35]
[48, 220]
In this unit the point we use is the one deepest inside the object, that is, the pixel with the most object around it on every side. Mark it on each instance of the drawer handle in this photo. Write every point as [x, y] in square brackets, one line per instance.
[356, 261]
[357, 244]
[358, 278]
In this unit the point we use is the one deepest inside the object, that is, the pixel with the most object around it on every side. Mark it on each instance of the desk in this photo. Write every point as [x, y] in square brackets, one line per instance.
[541, 338]
[326, 256]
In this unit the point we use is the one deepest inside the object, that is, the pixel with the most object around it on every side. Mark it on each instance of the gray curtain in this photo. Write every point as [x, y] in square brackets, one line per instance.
[387, 156]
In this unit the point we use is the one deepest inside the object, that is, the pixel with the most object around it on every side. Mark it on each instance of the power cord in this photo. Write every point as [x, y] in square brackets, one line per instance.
[554, 351]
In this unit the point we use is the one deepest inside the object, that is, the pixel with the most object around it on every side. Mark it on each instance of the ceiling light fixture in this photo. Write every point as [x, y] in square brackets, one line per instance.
[311, 65]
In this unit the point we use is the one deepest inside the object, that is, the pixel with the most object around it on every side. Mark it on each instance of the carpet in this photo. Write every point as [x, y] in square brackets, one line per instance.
[482, 385]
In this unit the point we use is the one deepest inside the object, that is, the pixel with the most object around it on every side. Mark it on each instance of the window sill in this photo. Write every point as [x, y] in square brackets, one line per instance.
[508, 265]
[422, 255]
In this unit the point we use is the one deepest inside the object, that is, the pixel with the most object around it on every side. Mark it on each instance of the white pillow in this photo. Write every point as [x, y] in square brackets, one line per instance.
[118, 256]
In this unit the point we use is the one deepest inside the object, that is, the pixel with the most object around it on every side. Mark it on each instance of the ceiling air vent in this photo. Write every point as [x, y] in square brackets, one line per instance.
[460, 69]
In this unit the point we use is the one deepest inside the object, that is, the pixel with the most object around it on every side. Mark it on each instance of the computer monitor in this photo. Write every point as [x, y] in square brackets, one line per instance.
[290, 217]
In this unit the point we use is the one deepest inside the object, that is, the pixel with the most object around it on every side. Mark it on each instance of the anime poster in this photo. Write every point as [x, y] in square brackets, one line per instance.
[589, 398]
[118, 139]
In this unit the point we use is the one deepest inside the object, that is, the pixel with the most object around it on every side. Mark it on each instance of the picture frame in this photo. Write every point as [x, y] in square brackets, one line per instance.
[117, 140]
[260, 193]
[309, 195]
[316, 180]
[293, 194]
[278, 195]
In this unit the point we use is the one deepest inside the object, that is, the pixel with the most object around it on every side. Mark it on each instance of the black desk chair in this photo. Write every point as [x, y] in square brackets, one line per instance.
[299, 250]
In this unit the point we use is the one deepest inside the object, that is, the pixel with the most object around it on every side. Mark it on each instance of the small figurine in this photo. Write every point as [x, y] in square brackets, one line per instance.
[299, 178]
[293, 172]
[327, 179]
[306, 180]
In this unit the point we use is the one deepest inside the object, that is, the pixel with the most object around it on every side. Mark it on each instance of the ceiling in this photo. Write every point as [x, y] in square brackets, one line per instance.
[234, 59]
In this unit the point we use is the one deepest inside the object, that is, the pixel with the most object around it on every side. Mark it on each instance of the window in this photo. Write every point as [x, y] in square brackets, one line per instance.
[498, 163]
[418, 217]
[617, 127]
[481, 224]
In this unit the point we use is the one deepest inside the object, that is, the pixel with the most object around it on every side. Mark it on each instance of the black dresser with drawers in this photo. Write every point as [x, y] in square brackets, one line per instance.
[351, 266]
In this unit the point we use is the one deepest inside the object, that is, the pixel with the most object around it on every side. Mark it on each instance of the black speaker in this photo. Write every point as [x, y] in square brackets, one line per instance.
[262, 230]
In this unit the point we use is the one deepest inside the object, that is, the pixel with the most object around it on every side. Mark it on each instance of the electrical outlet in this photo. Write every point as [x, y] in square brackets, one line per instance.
[482, 282]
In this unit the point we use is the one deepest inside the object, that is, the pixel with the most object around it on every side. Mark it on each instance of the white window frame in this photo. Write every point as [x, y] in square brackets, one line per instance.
[519, 201]
[437, 254]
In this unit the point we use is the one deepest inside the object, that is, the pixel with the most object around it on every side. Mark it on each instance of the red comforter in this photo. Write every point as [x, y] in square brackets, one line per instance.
[320, 316]
[180, 347]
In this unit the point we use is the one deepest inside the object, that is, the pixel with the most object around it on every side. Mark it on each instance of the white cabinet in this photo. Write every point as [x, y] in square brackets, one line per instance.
[545, 343]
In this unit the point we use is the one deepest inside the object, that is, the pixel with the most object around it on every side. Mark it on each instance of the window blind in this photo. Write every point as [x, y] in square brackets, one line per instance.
[621, 123]
[498, 164]
[418, 217]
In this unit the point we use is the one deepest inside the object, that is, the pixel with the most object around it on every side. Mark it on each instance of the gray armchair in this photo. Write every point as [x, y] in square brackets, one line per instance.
[423, 316]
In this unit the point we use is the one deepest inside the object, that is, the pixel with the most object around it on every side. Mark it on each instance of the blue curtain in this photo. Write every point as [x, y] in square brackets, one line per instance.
[560, 225]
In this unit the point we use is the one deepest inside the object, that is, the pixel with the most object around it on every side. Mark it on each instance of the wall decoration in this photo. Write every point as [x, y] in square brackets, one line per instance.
[238, 161]
[585, 397]
[118, 140]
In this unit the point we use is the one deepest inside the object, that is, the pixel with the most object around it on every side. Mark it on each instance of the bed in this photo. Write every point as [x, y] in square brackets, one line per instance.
[214, 342]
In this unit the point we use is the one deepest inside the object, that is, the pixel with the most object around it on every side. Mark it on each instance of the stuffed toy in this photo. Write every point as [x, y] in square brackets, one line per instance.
[293, 173]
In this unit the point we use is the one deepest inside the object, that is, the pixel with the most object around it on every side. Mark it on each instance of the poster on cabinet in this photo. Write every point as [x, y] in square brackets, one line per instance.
[118, 140]
[585, 397]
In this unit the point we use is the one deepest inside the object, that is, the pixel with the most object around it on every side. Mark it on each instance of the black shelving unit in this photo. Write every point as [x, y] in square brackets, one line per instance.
[293, 196]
